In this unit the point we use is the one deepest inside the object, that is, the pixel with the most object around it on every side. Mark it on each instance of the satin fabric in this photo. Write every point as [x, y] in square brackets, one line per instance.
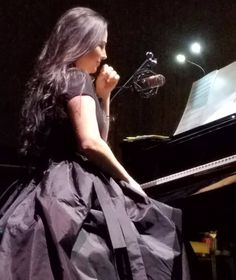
[77, 223]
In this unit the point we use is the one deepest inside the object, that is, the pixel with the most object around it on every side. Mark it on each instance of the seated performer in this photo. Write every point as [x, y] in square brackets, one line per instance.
[82, 216]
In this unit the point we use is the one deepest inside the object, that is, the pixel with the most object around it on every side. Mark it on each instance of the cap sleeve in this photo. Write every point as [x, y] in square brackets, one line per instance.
[78, 83]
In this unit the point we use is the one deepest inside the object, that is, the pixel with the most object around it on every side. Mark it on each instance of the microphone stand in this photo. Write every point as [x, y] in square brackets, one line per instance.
[148, 63]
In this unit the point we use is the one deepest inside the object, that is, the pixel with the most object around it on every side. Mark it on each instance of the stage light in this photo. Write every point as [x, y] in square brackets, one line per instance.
[196, 48]
[180, 58]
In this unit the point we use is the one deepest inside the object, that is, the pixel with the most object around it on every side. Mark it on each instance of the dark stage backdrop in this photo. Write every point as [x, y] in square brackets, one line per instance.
[163, 27]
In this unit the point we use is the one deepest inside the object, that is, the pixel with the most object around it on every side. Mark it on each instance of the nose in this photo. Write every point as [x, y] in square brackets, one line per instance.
[104, 54]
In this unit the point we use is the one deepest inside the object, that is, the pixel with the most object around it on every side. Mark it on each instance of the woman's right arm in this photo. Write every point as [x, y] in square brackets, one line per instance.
[82, 113]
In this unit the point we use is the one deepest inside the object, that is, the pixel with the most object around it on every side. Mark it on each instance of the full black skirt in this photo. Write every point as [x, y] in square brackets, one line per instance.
[76, 223]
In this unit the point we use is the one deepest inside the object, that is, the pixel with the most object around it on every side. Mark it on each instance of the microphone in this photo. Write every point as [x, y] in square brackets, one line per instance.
[154, 81]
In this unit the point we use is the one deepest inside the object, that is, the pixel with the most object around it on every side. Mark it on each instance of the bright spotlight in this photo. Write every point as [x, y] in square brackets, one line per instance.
[180, 58]
[196, 48]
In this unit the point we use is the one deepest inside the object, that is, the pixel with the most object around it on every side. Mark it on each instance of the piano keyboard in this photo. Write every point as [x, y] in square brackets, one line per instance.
[192, 171]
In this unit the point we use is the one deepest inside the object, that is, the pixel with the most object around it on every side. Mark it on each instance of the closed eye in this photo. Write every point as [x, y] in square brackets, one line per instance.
[102, 45]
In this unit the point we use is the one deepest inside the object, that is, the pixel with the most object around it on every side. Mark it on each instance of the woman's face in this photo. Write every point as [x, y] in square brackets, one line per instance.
[91, 60]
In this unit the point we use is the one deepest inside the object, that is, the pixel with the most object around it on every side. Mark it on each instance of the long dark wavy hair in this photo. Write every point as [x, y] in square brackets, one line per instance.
[77, 32]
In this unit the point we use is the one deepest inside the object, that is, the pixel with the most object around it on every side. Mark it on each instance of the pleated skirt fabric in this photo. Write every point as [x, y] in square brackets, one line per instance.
[77, 223]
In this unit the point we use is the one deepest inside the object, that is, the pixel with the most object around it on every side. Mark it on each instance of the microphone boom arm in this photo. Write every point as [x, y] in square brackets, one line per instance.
[149, 62]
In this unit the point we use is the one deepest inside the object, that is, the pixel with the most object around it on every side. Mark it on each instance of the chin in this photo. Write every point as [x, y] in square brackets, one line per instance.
[93, 71]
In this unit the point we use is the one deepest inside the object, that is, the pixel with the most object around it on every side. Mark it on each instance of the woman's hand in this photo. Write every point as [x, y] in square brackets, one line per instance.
[133, 184]
[106, 81]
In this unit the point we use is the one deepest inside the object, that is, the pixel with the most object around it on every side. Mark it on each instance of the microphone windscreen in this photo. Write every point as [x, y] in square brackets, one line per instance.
[153, 81]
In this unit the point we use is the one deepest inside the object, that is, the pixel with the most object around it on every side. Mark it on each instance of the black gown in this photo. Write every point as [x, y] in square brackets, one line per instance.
[75, 222]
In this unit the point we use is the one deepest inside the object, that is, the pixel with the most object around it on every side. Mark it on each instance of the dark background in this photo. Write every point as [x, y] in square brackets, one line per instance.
[164, 27]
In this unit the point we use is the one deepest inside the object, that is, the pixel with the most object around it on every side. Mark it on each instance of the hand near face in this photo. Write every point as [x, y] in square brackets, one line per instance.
[106, 81]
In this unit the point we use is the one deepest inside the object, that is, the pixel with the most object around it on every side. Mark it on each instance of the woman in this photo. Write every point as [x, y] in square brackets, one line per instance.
[82, 216]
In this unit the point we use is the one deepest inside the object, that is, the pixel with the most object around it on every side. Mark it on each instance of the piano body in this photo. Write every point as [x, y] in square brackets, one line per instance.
[198, 156]
[195, 169]
[203, 143]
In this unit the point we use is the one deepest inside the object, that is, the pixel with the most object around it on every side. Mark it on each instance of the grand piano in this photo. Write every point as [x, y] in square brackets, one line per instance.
[195, 169]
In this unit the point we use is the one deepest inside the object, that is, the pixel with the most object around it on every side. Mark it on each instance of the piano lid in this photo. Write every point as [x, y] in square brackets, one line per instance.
[211, 98]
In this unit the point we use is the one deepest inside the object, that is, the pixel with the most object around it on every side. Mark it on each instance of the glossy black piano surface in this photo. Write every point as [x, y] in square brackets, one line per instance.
[205, 212]
[150, 159]
[206, 135]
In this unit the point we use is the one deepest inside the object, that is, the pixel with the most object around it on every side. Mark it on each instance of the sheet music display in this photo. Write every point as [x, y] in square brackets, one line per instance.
[211, 98]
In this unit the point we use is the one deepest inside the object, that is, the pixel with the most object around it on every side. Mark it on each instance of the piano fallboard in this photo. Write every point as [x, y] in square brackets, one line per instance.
[214, 166]
[191, 181]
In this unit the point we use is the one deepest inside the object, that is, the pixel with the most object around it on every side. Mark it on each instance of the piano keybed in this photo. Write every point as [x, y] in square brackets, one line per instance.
[210, 166]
